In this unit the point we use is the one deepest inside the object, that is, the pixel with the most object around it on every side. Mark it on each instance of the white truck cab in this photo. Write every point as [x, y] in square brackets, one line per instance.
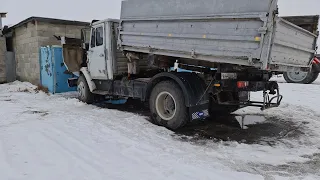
[101, 58]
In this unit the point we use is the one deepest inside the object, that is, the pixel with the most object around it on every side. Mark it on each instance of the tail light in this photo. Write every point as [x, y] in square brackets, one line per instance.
[242, 84]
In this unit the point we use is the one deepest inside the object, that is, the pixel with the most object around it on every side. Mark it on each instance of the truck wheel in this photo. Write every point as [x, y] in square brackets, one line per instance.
[314, 77]
[84, 93]
[167, 105]
[300, 77]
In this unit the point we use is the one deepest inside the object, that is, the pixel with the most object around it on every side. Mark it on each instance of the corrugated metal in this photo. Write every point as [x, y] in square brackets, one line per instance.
[53, 71]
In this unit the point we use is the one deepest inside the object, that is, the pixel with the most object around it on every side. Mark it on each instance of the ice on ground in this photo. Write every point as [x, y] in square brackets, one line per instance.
[58, 137]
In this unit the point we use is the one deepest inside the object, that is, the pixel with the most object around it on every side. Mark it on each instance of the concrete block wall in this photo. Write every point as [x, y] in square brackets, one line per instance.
[29, 38]
[25, 45]
[46, 32]
[3, 50]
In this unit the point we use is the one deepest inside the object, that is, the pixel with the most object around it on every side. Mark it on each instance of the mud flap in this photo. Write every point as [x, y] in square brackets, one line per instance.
[199, 112]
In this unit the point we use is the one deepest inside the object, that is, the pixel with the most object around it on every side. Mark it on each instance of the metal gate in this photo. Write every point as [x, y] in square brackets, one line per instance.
[10, 66]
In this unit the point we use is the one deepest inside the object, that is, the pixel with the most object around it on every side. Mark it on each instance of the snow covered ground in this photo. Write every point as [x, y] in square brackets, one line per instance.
[57, 137]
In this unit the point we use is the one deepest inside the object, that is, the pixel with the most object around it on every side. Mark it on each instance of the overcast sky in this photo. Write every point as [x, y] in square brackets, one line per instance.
[19, 10]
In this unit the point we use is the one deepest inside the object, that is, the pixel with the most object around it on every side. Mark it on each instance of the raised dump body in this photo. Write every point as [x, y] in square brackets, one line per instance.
[240, 32]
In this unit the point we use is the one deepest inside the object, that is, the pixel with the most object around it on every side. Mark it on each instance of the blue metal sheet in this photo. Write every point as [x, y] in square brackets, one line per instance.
[46, 68]
[54, 74]
[61, 73]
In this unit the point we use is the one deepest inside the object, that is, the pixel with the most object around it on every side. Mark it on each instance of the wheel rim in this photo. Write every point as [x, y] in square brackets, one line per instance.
[297, 76]
[166, 106]
[81, 89]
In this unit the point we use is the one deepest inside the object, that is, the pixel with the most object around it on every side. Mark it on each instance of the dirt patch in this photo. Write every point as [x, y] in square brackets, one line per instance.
[41, 88]
[24, 90]
[6, 98]
[255, 129]
[41, 113]
[230, 128]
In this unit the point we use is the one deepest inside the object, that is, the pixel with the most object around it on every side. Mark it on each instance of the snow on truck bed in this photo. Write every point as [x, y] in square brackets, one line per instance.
[57, 137]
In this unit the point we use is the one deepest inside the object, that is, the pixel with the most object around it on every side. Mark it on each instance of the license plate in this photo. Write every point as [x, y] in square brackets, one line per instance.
[229, 76]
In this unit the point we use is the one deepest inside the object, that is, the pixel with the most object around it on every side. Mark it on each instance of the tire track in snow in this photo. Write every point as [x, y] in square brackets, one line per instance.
[87, 162]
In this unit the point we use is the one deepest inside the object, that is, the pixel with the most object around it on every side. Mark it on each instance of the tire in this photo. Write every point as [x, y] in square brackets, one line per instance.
[84, 93]
[306, 79]
[167, 106]
[314, 77]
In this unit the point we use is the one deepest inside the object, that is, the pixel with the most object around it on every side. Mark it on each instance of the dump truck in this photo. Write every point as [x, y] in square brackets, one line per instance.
[309, 23]
[188, 60]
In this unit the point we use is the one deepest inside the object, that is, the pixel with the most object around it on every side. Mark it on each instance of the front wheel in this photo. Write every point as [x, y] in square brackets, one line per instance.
[167, 105]
[84, 93]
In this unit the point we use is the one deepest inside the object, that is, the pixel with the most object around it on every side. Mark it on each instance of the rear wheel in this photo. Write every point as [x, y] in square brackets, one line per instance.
[301, 77]
[167, 105]
[315, 77]
[84, 93]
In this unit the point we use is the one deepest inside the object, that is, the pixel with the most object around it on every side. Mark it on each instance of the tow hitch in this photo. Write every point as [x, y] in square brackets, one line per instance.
[275, 101]
[270, 89]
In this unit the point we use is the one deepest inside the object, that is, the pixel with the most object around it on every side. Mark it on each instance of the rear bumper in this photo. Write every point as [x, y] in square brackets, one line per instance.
[271, 94]
[231, 85]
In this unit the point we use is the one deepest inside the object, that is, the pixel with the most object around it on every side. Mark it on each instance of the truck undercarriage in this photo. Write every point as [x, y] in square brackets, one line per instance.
[216, 92]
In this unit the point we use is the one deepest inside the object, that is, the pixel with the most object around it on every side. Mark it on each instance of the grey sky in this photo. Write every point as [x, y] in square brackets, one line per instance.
[19, 10]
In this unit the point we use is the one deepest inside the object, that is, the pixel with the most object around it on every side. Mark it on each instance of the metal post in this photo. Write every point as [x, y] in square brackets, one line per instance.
[2, 15]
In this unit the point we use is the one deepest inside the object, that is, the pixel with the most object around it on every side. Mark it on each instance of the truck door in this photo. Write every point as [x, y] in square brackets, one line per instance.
[96, 54]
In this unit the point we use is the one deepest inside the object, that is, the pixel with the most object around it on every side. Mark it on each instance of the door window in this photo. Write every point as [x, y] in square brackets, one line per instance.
[99, 36]
[93, 37]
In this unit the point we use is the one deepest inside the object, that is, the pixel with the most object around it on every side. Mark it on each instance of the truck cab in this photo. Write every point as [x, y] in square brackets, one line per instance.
[101, 58]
